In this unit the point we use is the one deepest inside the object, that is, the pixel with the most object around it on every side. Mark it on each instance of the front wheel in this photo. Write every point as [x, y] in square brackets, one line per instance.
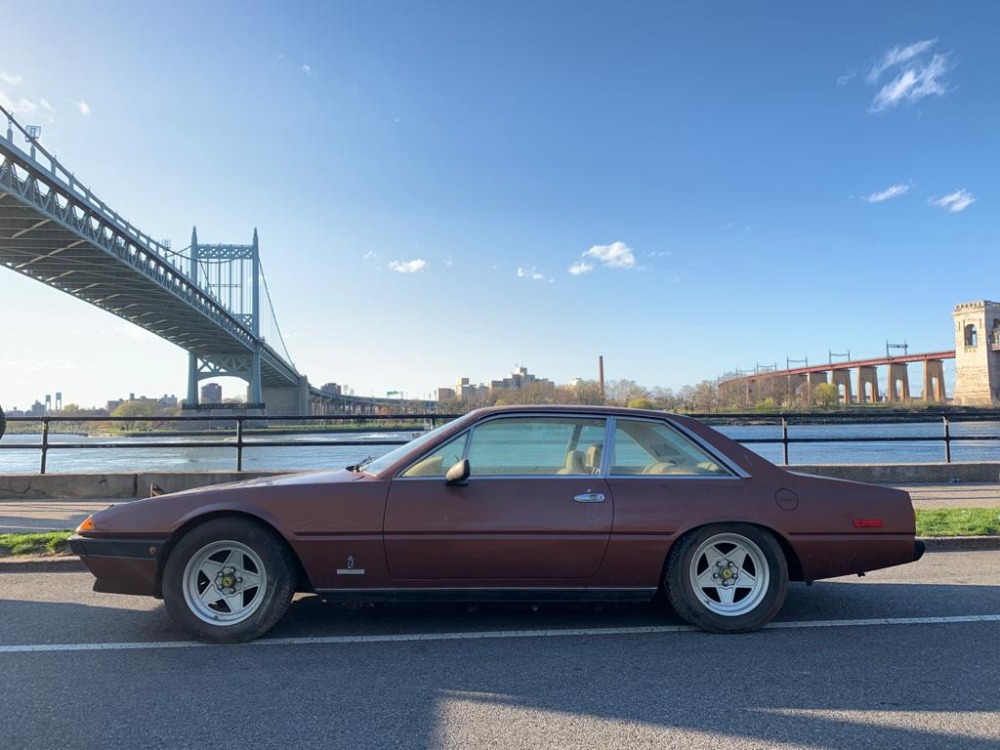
[727, 578]
[228, 581]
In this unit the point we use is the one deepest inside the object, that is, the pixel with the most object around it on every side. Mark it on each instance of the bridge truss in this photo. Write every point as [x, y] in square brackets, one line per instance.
[55, 230]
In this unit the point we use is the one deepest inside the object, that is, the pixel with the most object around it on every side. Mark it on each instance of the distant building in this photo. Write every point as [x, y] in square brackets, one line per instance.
[333, 389]
[167, 402]
[465, 391]
[518, 380]
[211, 393]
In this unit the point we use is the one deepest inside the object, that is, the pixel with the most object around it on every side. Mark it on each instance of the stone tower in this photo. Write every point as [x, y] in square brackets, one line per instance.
[977, 353]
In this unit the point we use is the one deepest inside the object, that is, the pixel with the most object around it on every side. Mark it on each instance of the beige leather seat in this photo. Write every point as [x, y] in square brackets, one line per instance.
[574, 464]
[593, 460]
[666, 467]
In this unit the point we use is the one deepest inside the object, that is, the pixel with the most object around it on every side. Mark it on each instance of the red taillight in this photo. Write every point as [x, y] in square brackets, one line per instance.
[868, 523]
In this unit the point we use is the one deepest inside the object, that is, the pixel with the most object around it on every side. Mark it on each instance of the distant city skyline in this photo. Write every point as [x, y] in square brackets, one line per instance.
[445, 187]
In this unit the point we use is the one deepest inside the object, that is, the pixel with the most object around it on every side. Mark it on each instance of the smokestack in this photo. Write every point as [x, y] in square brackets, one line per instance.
[600, 374]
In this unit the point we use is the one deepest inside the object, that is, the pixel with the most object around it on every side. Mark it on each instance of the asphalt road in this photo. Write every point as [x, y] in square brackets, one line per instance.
[85, 670]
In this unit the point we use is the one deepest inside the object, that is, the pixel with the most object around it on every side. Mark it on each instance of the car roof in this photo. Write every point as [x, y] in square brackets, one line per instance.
[571, 409]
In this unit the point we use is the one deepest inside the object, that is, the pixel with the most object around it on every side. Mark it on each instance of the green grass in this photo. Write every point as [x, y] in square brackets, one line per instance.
[44, 543]
[930, 523]
[959, 522]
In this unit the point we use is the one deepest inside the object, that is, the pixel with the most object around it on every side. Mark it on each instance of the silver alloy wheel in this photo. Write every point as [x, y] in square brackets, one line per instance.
[224, 583]
[729, 574]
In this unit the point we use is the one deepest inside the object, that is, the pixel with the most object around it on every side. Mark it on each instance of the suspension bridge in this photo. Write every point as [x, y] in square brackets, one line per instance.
[209, 299]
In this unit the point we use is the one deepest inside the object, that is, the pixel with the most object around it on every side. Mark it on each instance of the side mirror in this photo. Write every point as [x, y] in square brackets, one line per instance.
[458, 473]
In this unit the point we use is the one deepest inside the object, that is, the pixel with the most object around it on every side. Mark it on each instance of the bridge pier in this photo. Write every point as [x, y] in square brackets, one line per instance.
[813, 379]
[899, 382]
[843, 378]
[292, 400]
[934, 381]
[192, 397]
[868, 376]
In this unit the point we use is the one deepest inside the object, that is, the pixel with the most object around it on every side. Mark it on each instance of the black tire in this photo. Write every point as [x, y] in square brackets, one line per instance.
[264, 603]
[741, 552]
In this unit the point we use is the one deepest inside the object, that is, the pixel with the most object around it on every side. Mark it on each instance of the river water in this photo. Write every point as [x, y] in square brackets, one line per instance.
[181, 457]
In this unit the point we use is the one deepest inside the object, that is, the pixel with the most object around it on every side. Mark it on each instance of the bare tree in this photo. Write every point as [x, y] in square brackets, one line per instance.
[586, 392]
[622, 391]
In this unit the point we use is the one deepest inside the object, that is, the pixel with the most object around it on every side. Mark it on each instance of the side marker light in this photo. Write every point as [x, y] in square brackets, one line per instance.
[87, 525]
[868, 523]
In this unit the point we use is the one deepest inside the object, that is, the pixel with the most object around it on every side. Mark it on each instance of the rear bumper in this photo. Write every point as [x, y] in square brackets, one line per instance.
[830, 556]
[121, 566]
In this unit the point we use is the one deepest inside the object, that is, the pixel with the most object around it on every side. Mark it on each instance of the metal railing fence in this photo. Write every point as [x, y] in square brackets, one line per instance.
[225, 426]
[237, 425]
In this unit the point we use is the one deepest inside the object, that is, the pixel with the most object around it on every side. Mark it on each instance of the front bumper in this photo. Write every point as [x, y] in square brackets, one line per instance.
[918, 549]
[121, 565]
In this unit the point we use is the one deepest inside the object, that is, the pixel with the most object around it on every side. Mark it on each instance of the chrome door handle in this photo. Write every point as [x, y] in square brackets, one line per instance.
[590, 497]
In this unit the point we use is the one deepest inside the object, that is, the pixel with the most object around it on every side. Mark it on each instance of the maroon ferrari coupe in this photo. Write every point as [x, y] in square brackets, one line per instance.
[508, 504]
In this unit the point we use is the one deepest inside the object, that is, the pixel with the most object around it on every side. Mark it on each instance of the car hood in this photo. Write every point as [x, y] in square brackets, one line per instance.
[323, 476]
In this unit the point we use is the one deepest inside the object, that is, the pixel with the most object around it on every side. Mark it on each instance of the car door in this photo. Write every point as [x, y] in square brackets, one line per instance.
[531, 509]
[663, 480]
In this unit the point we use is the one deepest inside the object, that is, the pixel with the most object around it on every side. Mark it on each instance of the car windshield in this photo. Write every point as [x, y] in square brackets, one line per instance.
[382, 462]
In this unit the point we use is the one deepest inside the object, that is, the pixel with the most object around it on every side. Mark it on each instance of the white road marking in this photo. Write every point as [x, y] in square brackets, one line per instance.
[487, 635]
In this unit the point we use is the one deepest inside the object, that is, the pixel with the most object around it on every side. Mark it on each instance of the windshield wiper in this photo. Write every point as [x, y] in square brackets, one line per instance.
[361, 464]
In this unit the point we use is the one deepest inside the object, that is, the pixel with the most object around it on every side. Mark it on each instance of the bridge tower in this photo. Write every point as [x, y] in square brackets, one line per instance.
[977, 353]
[230, 274]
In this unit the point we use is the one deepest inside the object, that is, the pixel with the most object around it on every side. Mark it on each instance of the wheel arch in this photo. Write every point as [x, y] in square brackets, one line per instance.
[302, 582]
[791, 558]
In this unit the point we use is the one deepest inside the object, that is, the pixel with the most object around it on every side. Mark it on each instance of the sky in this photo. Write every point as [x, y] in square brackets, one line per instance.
[456, 189]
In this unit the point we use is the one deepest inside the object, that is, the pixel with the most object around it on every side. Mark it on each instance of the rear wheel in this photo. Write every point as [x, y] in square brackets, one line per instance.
[727, 578]
[228, 580]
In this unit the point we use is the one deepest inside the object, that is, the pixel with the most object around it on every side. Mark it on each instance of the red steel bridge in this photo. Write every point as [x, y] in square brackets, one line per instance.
[865, 388]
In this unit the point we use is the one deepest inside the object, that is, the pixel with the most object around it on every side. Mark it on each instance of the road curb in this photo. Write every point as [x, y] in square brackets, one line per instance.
[961, 543]
[40, 564]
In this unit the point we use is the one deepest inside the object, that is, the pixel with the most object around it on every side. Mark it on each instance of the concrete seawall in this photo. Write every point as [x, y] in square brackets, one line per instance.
[131, 485]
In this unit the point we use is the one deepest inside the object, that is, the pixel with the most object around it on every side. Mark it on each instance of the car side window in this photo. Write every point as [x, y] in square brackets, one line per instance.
[536, 446]
[652, 448]
[437, 462]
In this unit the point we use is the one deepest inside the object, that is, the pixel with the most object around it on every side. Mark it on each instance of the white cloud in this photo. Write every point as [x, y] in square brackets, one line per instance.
[580, 268]
[893, 191]
[913, 84]
[899, 56]
[615, 255]
[307, 69]
[914, 77]
[954, 202]
[845, 79]
[10, 78]
[84, 108]
[19, 106]
[524, 273]
[409, 266]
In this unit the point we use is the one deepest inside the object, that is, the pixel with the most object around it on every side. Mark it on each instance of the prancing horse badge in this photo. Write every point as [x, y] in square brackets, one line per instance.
[350, 570]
